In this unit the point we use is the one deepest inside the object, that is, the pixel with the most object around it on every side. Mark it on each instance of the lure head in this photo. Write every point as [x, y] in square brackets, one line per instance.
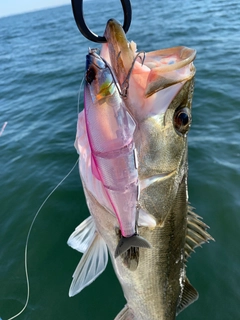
[109, 125]
[98, 78]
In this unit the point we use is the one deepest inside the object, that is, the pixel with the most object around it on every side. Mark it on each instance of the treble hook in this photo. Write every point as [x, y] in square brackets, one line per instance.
[77, 7]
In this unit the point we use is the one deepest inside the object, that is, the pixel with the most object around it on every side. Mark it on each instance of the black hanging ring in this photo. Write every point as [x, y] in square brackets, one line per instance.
[77, 7]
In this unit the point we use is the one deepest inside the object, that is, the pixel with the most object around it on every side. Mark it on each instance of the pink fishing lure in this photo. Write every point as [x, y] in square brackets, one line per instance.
[110, 130]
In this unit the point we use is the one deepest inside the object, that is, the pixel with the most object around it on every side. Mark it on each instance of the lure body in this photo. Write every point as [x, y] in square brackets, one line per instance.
[110, 130]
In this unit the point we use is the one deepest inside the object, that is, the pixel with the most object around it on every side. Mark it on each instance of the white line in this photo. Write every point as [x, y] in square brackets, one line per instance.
[3, 127]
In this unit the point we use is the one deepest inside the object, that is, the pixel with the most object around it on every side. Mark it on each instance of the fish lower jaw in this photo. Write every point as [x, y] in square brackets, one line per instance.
[144, 183]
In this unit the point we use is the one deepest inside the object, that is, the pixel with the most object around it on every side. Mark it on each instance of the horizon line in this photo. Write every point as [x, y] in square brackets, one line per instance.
[33, 10]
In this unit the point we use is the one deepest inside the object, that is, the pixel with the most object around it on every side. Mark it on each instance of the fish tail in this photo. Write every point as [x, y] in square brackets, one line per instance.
[126, 243]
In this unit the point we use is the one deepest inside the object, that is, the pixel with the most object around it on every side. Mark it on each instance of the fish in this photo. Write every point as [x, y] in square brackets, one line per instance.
[157, 90]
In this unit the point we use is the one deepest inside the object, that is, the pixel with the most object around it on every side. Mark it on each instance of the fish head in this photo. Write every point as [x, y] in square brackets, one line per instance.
[164, 119]
[163, 114]
[161, 142]
[159, 97]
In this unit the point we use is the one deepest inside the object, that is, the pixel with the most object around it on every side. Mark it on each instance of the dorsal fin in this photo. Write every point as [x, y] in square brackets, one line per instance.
[189, 295]
[196, 232]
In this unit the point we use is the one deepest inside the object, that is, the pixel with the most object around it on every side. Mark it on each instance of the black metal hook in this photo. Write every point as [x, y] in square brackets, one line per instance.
[77, 7]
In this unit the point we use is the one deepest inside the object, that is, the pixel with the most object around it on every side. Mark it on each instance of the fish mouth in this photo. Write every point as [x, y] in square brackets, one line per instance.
[144, 183]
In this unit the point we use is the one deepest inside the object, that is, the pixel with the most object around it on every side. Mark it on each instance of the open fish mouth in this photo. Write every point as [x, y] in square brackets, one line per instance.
[144, 183]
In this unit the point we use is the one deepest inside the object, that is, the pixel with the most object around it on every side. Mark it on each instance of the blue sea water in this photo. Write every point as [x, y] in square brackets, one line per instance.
[42, 61]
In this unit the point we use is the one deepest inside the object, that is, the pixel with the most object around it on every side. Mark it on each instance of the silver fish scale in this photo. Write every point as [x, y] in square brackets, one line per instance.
[150, 293]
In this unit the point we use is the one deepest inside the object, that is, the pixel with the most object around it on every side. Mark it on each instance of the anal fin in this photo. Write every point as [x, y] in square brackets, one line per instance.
[189, 295]
[125, 314]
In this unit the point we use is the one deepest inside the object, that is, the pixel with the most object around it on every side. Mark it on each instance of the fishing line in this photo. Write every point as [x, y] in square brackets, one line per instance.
[27, 241]
[34, 219]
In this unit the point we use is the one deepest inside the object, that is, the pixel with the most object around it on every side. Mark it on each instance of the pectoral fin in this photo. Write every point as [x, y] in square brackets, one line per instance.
[91, 265]
[125, 314]
[189, 295]
[146, 220]
[83, 235]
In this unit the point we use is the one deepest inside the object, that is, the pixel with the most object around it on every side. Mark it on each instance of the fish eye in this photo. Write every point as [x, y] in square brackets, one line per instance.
[90, 75]
[182, 120]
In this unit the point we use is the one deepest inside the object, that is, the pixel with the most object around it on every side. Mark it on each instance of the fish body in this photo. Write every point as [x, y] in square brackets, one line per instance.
[110, 130]
[158, 92]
